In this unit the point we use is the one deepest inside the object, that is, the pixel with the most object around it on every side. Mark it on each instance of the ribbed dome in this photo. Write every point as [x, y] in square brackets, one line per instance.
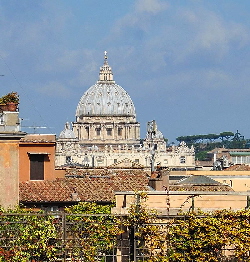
[105, 97]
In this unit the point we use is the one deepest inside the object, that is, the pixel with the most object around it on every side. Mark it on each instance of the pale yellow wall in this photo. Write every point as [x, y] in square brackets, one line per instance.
[205, 201]
[238, 180]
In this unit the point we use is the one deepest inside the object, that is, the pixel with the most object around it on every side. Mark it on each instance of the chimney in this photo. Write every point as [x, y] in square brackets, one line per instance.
[159, 181]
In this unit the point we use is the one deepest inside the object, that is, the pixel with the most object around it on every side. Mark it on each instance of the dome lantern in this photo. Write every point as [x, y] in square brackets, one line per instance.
[105, 75]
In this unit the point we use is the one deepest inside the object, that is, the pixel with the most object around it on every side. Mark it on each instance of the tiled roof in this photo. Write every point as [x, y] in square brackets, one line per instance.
[88, 188]
[198, 180]
[238, 168]
[82, 172]
[199, 183]
[200, 188]
[38, 138]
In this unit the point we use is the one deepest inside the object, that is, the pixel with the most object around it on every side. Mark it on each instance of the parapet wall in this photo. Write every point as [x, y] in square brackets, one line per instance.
[175, 202]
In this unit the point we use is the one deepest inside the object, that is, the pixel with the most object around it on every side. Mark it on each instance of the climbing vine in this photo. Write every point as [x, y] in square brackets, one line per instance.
[26, 237]
[93, 233]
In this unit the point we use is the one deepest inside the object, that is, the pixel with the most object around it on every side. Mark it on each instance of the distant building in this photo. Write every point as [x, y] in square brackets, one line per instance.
[222, 158]
[106, 132]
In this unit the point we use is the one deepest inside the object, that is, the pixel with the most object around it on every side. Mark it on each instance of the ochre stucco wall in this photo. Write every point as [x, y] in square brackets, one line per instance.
[9, 173]
[43, 144]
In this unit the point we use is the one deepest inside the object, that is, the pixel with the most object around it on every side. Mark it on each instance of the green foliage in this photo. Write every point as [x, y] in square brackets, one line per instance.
[208, 138]
[226, 135]
[190, 237]
[205, 143]
[94, 233]
[26, 236]
[12, 97]
[201, 155]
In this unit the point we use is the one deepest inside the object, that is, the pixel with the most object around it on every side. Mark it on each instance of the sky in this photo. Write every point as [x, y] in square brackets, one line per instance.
[184, 63]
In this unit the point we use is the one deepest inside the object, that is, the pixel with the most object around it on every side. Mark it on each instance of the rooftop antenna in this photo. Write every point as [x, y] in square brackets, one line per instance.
[36, 127]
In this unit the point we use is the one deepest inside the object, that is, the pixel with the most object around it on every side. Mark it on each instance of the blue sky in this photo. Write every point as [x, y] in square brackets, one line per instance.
[184, 63]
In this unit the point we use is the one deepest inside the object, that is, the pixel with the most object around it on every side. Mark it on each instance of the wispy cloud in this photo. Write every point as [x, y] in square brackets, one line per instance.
[151, 6]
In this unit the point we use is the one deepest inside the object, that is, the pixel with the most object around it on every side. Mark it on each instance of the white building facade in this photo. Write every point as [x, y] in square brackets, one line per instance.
[106, 132]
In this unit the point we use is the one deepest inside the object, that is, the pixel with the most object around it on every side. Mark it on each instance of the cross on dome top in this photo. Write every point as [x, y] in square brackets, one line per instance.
[105, 75]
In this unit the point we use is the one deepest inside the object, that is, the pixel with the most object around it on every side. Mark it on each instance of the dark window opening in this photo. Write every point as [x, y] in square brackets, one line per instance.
[68, 159]
[182, 159]
[98, 131]
[87, 131]
[109, 131]
[37, 167]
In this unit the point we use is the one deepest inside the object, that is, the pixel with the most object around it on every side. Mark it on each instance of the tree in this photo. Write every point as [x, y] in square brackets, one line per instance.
[226, 135]
[26, 236]
[93, 231]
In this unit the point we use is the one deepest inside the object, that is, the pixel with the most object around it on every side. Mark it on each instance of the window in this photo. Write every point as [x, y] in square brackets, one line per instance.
[119, 131]
[136, 160]
[109, 131]
[98, 131]
[182, 159]
[115, 161]
[87, 131]
[68, 159]
[1, 119]
[37, 166]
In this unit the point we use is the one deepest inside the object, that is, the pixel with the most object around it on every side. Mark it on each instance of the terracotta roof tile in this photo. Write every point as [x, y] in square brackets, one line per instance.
[238, 168]
[88, 188]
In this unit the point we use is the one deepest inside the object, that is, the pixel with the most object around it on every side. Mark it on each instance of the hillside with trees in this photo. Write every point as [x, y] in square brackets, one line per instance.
[205, 143]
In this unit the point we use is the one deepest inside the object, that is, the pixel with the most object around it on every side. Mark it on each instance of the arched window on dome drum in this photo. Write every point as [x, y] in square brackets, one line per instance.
[98, 131]
[87, 131]
[109, 131]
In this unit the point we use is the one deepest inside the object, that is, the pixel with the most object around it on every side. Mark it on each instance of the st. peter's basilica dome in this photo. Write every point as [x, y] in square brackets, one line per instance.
[105, 98]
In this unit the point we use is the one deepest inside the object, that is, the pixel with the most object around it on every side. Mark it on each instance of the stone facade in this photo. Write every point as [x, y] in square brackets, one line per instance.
[106, 132]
